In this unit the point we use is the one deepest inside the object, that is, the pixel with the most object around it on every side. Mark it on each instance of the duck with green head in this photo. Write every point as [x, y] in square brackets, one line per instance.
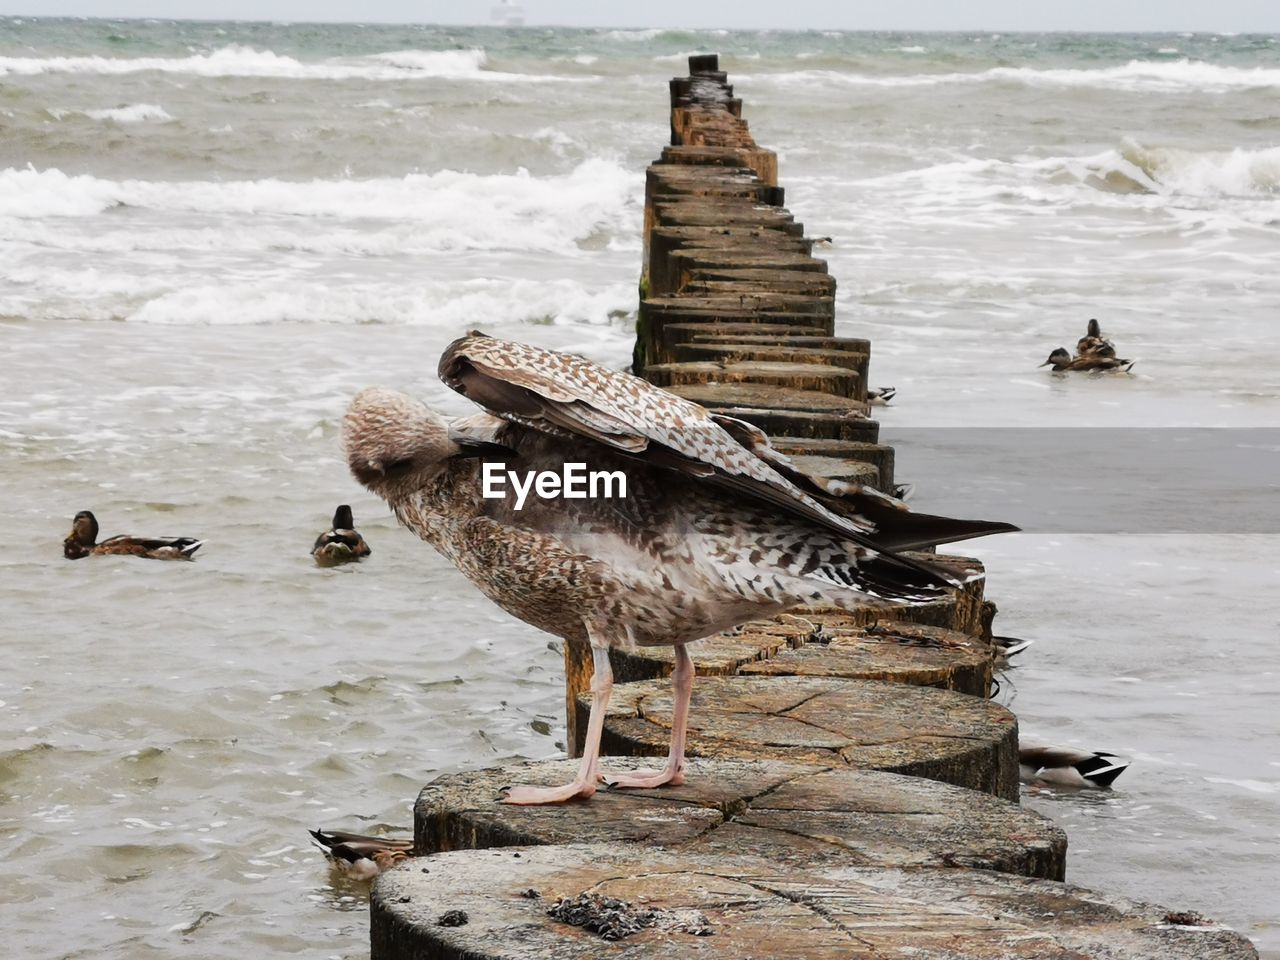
[82, 541]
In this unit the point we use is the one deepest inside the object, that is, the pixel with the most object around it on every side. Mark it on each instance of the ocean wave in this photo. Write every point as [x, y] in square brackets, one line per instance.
[1137, 76]
[436, 63]
[1162, 174]
[1179, 172]
[678, 57]
[133, 113]
[633, 36]
[447, 210]
[88, 294]
[240, 61]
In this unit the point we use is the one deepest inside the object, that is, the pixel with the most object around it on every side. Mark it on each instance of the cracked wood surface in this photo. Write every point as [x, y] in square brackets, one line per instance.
[790, 813]
[760, 909]
[894, 727]
[864, 646]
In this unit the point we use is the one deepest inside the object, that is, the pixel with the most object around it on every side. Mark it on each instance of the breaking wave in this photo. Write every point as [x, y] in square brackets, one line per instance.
[134, 113]
[445, 210]
[1134, 168]
[1135, 76]
[241, 61]
[90, 294]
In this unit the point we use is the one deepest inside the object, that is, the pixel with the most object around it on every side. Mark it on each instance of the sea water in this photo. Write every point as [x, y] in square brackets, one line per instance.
[213, 234]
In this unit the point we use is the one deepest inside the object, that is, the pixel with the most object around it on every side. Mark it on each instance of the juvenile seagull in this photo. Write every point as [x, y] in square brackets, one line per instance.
[342, 543]
[716, 528]
[82, 541]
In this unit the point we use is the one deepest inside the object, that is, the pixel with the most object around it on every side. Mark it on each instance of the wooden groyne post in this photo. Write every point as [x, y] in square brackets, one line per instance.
[852, 789]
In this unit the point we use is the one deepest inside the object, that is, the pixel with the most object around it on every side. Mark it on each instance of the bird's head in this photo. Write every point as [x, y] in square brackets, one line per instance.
[394, 444]
[83, 535]
[1058, 359]
[1094, 329]
[342, 519]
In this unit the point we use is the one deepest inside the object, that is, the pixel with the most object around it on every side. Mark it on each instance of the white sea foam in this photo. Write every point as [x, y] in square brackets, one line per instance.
[1193, 173]
[499, 302]
[1129, 175]
[90, 294]
[241, 61]
[633, 36]
[1137, 76]
[133, 113]
[678, 57]
[443, 211]
[437, 63]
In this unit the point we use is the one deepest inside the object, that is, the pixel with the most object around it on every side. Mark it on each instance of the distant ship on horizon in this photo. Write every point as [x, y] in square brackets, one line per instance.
[507, 14]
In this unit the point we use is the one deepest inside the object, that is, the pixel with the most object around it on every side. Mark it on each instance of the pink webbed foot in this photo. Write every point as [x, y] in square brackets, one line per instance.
[579, 787]
[645, 779]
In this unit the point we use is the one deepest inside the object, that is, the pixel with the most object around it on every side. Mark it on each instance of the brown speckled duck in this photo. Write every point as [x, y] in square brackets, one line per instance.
[341, 544]
[360, 857]
[1094, 344]
[1061, 361]
[82, 541]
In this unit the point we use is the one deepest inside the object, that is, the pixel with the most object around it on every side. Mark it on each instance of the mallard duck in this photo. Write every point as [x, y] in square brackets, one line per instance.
[1094, 344]
[881, 396]
[82, 541]
[1007, 647]
[1060, 360]
[341, 544]
[1068, 766]
[360, 857]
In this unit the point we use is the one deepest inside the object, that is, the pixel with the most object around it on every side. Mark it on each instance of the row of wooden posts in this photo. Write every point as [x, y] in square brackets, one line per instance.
[854, 788]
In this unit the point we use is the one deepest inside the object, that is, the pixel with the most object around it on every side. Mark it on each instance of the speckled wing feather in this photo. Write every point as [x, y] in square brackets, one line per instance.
[895, 526]
[567, 395]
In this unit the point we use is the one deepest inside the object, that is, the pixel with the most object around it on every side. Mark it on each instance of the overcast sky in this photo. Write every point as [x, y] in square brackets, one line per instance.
[1124, 15]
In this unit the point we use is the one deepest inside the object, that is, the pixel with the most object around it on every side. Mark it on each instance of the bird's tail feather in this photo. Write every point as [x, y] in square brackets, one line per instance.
[886, 577]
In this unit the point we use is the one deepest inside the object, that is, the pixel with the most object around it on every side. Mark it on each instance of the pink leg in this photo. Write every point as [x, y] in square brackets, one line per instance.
[584, 784]
[673, 771]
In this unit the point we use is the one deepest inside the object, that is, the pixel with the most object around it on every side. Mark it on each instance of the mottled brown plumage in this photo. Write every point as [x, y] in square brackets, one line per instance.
[717, 528]
[82, 541]
[341, 543]
[1094, 344]
[360, 857]
[1061, 361]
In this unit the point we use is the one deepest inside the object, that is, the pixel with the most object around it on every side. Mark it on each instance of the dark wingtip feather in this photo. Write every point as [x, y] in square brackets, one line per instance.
[1102, 768]
[899, 578]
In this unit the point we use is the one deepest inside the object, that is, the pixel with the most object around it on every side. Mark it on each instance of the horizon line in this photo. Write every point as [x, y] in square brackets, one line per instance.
[633, 27]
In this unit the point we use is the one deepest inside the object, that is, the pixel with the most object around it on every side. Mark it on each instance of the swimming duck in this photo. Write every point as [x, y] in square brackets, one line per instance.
[1060, 360]
[82, 541]
[882, 396]
[341, 544]
[1068, 766]
[360, 857]
[1094, 344]
[1008, 647]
